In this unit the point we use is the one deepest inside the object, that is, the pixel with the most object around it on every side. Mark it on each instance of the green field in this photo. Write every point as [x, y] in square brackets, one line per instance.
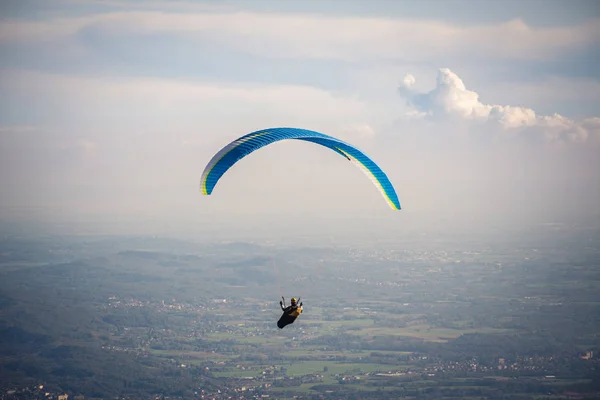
[318, 352]
[239, 373]
[314, 367]
[425, 332]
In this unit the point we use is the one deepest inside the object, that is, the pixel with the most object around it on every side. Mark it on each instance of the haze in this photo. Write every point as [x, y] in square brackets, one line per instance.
[483, 115]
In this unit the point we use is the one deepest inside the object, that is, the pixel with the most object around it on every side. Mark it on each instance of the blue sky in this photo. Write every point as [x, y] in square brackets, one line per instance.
[114, 107]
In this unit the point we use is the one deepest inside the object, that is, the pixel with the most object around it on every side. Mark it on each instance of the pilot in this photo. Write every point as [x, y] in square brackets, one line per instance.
[292, 307]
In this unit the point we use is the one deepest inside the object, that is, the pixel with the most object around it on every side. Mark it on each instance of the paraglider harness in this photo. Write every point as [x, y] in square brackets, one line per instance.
[290, 313]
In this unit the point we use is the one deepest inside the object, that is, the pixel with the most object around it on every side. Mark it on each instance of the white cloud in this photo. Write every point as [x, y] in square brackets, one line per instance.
[354, 132]
[548, 91]
[106, 139]
[349, 38]
[451, 99]
[148, 104]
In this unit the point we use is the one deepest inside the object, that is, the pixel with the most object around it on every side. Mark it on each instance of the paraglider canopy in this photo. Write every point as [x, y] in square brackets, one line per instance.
[241, 147]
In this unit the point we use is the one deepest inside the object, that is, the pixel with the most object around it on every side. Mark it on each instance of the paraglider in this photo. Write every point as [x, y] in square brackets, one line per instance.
[290, 313]
[225, 158]
[241, 147]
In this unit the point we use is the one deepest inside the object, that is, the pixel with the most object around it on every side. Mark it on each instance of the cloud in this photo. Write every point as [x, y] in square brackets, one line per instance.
[451, 99]
[355, 132]
[295, 35]
[111, 141]
[148, 104]
[550, 90]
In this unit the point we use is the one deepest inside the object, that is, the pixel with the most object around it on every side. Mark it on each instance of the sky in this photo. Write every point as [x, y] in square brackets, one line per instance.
[484, 115]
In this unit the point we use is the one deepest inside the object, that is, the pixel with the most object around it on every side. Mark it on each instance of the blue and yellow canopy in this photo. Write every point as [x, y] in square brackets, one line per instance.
[246, 144]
